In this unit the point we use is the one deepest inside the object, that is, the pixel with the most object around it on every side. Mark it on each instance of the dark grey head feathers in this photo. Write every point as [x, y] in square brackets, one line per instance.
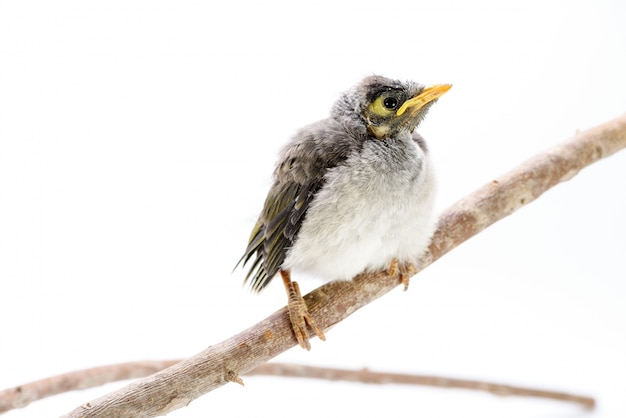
[383, 107]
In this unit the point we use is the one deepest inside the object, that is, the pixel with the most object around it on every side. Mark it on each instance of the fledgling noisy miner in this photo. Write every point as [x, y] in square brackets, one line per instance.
[351, 193]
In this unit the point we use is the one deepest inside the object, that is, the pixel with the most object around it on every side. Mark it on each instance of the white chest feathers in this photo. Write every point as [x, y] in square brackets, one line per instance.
[375, 207]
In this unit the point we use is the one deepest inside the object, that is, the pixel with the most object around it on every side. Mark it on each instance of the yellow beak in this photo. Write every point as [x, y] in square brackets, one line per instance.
[426, 96]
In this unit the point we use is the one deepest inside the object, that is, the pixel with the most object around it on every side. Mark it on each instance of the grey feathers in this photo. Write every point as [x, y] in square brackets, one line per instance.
[339, 176]
[298, 176]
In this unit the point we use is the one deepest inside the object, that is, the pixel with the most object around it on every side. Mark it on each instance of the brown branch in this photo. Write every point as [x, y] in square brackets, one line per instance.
[180, 384]
[23, 395]
[367, 376]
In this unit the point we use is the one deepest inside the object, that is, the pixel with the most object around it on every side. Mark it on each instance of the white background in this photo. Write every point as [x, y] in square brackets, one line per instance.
[137, 140]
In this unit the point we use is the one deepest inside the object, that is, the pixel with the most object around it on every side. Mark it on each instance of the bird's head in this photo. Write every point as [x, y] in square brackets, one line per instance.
[386, 107]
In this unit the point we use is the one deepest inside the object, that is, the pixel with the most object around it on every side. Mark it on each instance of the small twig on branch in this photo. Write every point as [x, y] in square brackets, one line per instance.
[180, 384]
[25, 394]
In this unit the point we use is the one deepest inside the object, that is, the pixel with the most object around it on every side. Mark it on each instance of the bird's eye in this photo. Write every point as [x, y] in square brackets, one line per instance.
[384, 105]
[390, 103]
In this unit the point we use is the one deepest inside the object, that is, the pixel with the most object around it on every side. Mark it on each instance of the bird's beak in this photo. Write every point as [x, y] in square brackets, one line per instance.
[414, 104]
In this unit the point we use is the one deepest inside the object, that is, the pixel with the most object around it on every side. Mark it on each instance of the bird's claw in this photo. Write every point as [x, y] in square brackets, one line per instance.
[406, 270]
[393, 268]
[299, 317]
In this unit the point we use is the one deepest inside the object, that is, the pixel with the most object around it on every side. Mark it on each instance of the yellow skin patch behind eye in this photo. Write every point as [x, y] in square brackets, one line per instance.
[404, 116]
[379, 108]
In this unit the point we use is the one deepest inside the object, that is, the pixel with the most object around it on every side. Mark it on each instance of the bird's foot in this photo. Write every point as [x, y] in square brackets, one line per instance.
[299, 314]
[406, 270]
[393, 268]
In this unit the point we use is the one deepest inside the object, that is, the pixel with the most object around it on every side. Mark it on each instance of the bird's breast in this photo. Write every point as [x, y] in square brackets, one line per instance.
[374, 207]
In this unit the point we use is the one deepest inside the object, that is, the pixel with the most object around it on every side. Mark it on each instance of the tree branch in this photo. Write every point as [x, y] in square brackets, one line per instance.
[367, 376]
[23, 395]
[178, 385]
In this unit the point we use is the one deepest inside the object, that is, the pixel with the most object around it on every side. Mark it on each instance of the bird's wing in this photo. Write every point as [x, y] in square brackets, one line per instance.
[299, 174]
[276, 228]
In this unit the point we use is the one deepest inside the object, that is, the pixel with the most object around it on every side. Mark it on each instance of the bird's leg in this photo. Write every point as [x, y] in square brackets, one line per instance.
[406, 270]
[392, 270]
[298, 313]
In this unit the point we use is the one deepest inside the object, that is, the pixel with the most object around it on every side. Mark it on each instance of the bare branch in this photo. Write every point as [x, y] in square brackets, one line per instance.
[178, 385]
[23, 395]
[367, 376]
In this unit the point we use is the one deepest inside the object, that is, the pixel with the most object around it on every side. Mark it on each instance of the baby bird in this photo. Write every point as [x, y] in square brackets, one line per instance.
[353, 192]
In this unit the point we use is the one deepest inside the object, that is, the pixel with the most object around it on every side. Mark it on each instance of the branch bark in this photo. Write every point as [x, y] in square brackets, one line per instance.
[367, 376]
[178, 385]
[23, 395]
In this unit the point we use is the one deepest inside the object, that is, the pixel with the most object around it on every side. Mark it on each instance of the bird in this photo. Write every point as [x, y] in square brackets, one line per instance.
[351, 193]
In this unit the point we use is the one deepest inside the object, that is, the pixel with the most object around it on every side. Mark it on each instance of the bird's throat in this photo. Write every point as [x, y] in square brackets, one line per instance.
[380, 132]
